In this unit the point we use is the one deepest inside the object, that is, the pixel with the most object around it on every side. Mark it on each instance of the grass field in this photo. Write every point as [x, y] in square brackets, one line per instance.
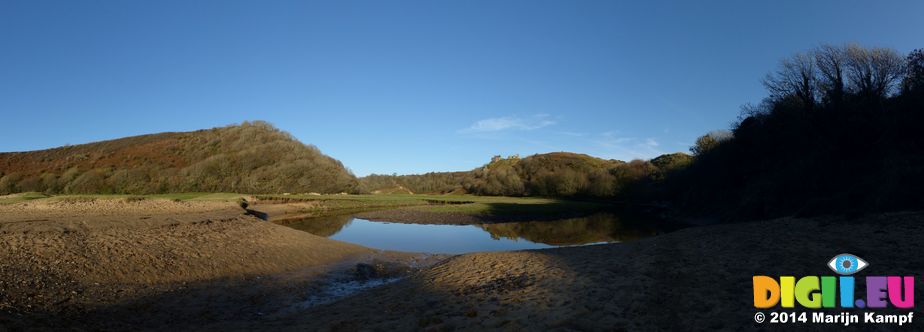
[450, 204]
[16, 198]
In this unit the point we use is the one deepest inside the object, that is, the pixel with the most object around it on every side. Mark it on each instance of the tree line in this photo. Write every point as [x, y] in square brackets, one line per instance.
[557, 174]
[839, 132]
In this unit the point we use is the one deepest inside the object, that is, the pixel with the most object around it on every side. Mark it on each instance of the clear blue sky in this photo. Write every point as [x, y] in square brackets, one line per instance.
[407, 87]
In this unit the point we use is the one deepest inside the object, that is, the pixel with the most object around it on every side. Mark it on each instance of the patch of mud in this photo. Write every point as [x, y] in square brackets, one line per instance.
[356, 280]
[339, 289]
[363, 276]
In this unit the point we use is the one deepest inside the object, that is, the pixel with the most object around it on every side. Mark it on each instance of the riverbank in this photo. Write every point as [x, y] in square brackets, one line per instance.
[161, 264]
[459, 216]
[424, 209]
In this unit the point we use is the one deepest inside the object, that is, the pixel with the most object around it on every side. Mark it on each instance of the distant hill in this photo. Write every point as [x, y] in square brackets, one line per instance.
[556, 174]
[429, 183]
[253, 157]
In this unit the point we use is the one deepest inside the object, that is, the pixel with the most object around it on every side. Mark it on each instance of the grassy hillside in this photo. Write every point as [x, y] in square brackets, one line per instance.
[252, 157]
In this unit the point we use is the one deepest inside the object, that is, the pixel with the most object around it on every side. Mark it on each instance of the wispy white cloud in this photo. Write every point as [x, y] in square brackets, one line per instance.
[510, 123]
[573, 133]
[614, 146]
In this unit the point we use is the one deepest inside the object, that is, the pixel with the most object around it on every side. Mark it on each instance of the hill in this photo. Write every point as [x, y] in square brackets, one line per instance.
[253, 157]
[556, 174]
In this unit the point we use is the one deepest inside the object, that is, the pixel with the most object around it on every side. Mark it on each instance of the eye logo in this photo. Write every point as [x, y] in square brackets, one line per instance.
[847, 264]
[817, 292]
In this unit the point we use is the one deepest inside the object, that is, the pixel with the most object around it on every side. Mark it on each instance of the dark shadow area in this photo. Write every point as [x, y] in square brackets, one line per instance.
[594, 228]
[193, 305]
[237, 302]
[839, 133]
[262, 215]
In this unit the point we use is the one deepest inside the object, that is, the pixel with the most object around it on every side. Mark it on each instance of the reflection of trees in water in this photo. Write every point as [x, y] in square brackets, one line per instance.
[600, 227]
[322, 226]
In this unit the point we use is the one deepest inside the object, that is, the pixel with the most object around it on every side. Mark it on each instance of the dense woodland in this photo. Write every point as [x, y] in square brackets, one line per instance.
[253, 157]
[557, 174]
[429, 183]
[840, 130]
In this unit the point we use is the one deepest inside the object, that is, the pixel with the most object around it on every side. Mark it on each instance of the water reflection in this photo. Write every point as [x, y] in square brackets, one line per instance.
[600, 227]
[596, 228]
[322, 226]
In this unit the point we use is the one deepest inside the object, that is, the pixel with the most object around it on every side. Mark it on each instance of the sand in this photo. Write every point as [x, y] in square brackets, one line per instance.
[162, 262]
[215, 268]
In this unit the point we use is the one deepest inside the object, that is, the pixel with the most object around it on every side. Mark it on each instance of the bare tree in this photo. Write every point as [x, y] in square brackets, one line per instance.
[873, 72]
[831, 62]
[795, 77]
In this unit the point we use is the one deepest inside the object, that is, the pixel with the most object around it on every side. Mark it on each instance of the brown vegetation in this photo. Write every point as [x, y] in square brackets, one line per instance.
[430, 183]
[253, 157]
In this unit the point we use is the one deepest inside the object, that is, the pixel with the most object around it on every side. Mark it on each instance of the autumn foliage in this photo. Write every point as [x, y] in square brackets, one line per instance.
[253, 157]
